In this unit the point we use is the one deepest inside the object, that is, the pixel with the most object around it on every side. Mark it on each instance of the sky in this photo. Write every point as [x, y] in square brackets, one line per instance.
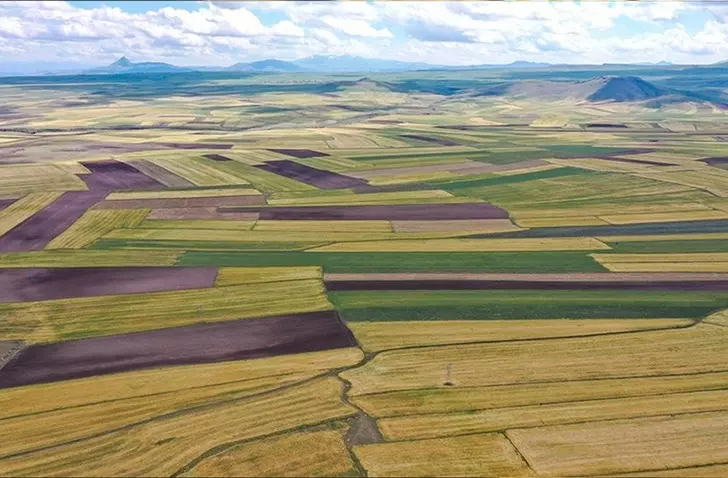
[220, 33]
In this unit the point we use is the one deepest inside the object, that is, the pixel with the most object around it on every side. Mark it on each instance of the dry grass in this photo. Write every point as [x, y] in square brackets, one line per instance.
[166, 444]
[208, 224]
[463, 399]
[478, 455]
[321, 453]
[24, 208]
[374, 336]
[94, 224]
[561, 221]
[480, 421]
[671, 262]
[399, 197]
[470, 245]
[63, 319]
[664, 217]
[713, 180]
[696, 349]
[325, 226]
[620, 446]
[19, 179]
[192, 193]
[89, 258]
[199, 172]
[251, 275]
[469, 226]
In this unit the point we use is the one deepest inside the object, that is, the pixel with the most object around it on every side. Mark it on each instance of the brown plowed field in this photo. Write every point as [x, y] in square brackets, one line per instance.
[440, 141]
[202, 343]
[111, 175]
[216, 157]
[167, 203]
[308, 175]
[33, 284]
[413, 212]
[197, 145]
[299, 153]
[5, 203]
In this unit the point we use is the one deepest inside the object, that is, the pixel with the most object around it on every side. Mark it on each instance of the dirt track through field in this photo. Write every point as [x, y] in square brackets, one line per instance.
[315, 177]
[195, 344]
[413, 212]
[33, 284]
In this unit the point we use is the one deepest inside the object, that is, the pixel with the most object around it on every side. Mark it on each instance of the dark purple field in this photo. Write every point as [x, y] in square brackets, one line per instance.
[300, 153]
[110, 175]
[718, 161]
[32, 284]
[413, 212]
[37, 231]
[315, 177]
[350, 285]
[216, 157]
[194, 344]
[196, 202]
[440, 141]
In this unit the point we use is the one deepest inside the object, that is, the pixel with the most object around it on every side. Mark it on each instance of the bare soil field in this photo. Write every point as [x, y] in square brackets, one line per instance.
[194, 344]
[8, 350]
[299, 153]
[197, 145]
[413, 212]
[110, 175]
[306, 174]
[36, 232]
[5, 203]
[440, 141]
[33, 284]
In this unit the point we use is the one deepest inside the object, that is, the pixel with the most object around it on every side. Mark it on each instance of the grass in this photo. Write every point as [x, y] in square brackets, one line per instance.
[404, 262]
[469, 245]
[510, 179]
[446, 305]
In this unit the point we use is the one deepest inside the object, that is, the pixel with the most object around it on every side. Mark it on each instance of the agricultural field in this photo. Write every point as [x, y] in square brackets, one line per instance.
[331, 275]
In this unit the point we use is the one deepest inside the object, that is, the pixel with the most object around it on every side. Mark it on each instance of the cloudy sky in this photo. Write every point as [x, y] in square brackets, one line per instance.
[453, 33]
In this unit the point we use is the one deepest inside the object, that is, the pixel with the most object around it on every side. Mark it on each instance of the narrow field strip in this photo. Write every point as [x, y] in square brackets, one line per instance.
[190, 193]
[89, 258]
[24, 208]
[469, 245]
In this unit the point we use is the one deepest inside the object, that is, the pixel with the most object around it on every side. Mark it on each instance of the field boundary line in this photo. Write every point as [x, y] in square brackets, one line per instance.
[518, 451]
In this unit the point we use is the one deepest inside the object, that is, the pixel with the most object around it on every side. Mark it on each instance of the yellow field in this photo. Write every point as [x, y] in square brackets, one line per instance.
[168, 443]
[403, 197]
[443, 400]
[24, 208]
[466, 225]
[255, 275]
[561, 221]
[318, 453]
[192, 193]
[208, 224]
[324, 226]
[89, 258]
[197, 171]
[416, 427]
[599, 210]
[94, 224]
[664, 217]
[691, 350]
[479, 455]
[665, 237]
[375, 336]
[673, 262]
[19, 179]
[621, 446]
[54, 320]
[713, 180]
[470, 245]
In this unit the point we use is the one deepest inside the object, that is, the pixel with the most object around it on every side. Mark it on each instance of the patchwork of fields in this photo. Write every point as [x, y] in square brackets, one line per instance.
[343, 294]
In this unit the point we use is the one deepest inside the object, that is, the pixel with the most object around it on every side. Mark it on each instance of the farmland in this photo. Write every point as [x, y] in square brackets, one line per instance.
[332, 275]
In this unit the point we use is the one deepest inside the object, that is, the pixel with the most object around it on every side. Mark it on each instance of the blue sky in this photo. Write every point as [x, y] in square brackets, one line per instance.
[456, 33]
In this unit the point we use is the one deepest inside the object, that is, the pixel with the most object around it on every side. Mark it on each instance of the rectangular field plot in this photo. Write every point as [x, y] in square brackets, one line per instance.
[477, 455]
[201, 343]
[88, 258]
[678, 262]
[65, 319]
[94, 224]
[470, 245]
[524, 304]
[621, 446]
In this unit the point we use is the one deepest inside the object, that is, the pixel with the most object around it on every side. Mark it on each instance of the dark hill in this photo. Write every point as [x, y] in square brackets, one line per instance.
[624, 88]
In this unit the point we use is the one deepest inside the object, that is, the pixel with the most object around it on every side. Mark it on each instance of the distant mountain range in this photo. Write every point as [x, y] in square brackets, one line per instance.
[314, 64]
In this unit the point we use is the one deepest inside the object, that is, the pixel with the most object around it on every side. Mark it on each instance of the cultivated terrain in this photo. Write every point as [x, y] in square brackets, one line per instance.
[444, 273]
